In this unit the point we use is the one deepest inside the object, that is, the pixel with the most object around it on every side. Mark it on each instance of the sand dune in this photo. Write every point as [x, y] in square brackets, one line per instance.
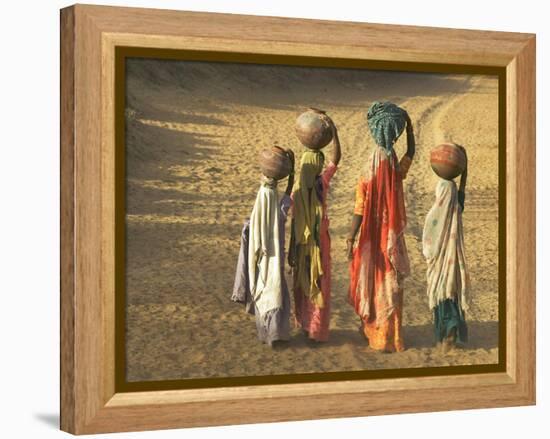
[193, 134]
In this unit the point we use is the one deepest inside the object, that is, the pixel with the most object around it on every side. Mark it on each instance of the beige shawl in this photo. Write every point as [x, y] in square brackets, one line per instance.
[264, 259]
[443, 248]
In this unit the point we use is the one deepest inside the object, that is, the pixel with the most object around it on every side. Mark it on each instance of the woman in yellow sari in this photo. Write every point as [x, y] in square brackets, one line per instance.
[309, 251]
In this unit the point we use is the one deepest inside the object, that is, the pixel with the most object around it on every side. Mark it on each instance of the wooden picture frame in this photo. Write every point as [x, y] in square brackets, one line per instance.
[90, 35]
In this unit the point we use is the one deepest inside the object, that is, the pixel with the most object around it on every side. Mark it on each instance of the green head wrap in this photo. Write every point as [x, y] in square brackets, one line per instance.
[386, 122]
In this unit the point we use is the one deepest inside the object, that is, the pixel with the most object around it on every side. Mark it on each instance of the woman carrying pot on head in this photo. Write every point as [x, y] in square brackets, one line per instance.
[376, 243]
[309, 252]
[259, 279]
[443, 247]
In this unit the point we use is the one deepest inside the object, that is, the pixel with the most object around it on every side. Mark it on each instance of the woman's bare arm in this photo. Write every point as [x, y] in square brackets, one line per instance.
[406, 160]
[411, 143]
[462, 185]
[290, 183]
[336, 151]
[464, 175]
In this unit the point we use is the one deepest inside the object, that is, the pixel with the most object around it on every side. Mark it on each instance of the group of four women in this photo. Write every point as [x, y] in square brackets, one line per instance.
[375, 246]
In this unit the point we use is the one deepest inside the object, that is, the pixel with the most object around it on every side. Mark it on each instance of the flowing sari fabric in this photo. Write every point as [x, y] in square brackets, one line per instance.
[264, 253]
[313, 312]
[443, 248]
[307, 215]
[380, 261]
[272, 305]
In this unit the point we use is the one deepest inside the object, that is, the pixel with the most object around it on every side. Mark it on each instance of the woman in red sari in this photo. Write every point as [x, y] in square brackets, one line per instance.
[379, 261]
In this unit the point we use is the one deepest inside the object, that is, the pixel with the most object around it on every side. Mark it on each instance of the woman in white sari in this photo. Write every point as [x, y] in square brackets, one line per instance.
[447, 275]
[259, 279]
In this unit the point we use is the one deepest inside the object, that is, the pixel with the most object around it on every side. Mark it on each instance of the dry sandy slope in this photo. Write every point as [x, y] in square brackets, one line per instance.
[193, 134]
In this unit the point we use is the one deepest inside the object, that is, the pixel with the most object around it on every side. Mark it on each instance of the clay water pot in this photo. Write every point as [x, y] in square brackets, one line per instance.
[448, 160]
[313, 130]
[275, 163]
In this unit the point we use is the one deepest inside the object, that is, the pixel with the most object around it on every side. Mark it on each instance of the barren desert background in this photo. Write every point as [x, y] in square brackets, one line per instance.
[193, 133]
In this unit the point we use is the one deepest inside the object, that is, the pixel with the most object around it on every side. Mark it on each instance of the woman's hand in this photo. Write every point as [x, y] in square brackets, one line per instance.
[332, 127]
[411, 143]
[331, 124]
[290, 154]
[404, 166]
[356, 222]
[349, 249]
[337, 152]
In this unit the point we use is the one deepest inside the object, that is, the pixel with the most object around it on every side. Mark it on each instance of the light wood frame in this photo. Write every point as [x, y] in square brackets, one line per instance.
[89, 35]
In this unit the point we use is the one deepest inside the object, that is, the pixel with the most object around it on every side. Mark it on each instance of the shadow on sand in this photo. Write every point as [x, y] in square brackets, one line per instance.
[482, 335]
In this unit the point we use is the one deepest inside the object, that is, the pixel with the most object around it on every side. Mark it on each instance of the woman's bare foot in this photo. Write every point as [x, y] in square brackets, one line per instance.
[447, 346]
[449, 343]
[362, 332]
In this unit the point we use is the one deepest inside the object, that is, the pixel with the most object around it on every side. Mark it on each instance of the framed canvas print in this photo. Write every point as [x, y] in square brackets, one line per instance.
[312, 218]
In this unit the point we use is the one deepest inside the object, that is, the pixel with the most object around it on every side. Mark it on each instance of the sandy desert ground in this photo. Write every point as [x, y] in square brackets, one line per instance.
[193, 134]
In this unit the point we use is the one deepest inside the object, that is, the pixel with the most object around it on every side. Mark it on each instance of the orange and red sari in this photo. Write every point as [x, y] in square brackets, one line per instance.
[380, 261]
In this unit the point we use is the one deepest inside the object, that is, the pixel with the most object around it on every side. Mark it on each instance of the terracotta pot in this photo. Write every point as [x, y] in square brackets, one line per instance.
[313, 130]
[275, 163]
[448, 160]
